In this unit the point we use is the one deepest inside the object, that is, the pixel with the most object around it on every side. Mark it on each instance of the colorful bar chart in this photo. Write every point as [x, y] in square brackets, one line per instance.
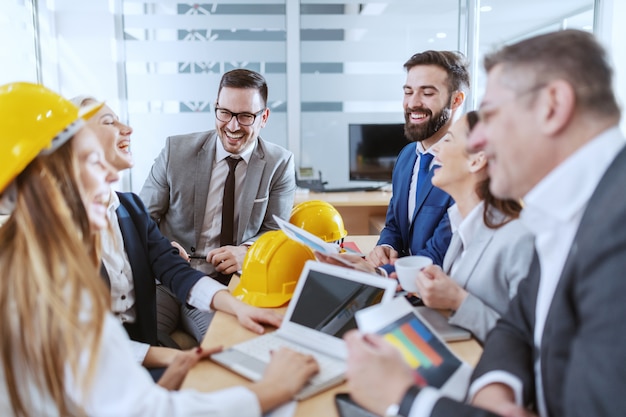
[412, 339]
[424, 352]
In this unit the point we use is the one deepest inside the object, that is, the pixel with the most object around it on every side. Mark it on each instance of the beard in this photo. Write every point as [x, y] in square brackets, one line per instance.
[421, 132]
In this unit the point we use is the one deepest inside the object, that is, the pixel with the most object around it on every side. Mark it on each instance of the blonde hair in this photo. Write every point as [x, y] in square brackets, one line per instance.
[52, 300]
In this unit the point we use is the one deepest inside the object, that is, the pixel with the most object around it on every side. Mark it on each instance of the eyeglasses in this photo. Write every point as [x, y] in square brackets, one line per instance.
[485, 114]
[244, 119]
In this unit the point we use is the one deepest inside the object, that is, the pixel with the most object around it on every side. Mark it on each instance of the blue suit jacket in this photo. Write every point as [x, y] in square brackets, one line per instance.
[429, 233]
[151, 256]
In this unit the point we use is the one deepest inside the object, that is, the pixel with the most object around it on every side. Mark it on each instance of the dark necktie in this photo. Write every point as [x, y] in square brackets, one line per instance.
[425, 160]
[228, 204]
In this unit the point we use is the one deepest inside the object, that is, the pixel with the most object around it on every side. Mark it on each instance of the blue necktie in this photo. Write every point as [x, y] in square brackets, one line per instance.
[425, 160]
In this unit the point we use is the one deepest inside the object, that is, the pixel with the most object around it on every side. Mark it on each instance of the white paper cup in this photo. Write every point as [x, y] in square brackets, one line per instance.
[407, 269]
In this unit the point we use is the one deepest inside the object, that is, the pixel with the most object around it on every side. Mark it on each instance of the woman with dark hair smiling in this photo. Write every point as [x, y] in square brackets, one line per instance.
[490, 251]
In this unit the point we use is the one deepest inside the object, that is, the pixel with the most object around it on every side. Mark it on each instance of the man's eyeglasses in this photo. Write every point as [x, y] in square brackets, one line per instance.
[244, 119]
[484, 114]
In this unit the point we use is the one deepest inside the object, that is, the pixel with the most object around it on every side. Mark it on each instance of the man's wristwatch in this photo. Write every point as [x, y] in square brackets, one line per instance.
[403, 409]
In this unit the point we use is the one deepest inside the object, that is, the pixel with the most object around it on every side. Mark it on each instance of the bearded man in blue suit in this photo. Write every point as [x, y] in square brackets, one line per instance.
[417, 221]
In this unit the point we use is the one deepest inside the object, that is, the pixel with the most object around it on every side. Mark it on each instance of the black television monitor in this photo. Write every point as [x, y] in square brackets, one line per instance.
[374, 149]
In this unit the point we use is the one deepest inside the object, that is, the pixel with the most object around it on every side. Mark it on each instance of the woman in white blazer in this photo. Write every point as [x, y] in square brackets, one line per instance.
[490, 251]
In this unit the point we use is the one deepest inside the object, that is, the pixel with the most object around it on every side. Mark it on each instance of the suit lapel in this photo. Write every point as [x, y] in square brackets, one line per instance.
[454, 250]
[143, 278]
[203, 167]
[131, 243]
[254, 173]
[422, 194]
[472, 256]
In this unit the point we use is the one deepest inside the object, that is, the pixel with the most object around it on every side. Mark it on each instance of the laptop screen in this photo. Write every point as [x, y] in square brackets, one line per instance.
[328, 302]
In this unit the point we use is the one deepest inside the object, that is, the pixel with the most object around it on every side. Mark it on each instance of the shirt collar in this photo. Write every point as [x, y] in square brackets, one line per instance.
[565, 191]
[419, 149]
[465, 227]
[221, 154]
[114, 202]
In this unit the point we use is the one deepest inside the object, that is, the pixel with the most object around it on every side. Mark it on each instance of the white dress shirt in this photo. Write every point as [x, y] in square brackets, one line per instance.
[552, 211]
[419, 149]
[115, 260]
[117, 264]
[212, 225]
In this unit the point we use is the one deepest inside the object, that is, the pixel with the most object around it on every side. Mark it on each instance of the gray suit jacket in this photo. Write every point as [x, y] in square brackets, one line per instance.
[583, 359]
[494, 263]
[175, 192]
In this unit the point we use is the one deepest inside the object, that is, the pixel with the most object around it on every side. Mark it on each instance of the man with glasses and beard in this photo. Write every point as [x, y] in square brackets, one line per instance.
[417, 221]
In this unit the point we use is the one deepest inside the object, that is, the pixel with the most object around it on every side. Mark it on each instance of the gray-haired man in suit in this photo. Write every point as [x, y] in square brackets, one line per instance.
[549, 127]
[185, 188]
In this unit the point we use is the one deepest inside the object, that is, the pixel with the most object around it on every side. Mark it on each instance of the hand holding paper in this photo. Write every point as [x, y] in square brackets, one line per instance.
[309, 239]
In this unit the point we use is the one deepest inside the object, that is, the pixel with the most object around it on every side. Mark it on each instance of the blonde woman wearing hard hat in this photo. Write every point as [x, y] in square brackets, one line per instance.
[63, 353]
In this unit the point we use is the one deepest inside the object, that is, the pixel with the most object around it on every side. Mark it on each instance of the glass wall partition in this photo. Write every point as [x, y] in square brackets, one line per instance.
[176, 54]
[18, 38]
[352, 69]
[346, 67]
[503, 22]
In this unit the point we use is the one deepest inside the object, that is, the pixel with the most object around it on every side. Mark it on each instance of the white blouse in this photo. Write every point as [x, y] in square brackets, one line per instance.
[121, 387]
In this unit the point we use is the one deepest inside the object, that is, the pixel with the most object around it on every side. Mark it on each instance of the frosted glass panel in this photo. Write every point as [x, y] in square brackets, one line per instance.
[368, 43]
[349, 62]
[176, 54]
[17, 53]
[511, 21]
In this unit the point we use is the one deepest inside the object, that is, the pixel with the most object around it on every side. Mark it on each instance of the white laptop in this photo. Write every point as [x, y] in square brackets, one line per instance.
[321, 311]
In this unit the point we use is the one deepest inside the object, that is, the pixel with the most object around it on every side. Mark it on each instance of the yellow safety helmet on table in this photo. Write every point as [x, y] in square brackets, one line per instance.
[271, 270]
[320, 219]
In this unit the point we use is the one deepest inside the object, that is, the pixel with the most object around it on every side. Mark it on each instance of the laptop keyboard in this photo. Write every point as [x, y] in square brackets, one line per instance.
[260, 348]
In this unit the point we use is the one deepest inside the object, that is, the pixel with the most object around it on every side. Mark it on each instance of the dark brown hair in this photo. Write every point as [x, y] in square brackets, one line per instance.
[244, 78]
[510, 208]
[454, 63]
[570, 55]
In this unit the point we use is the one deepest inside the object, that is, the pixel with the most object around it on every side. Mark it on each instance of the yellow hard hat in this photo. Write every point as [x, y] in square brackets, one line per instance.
[33, 119]
[319, 218]
[271, 270]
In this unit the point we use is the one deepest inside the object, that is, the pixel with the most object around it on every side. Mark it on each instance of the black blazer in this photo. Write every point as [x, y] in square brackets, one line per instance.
[151, 257]
[583, 351]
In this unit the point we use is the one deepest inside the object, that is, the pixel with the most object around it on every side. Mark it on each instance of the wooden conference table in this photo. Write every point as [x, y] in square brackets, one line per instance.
[225, 330]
